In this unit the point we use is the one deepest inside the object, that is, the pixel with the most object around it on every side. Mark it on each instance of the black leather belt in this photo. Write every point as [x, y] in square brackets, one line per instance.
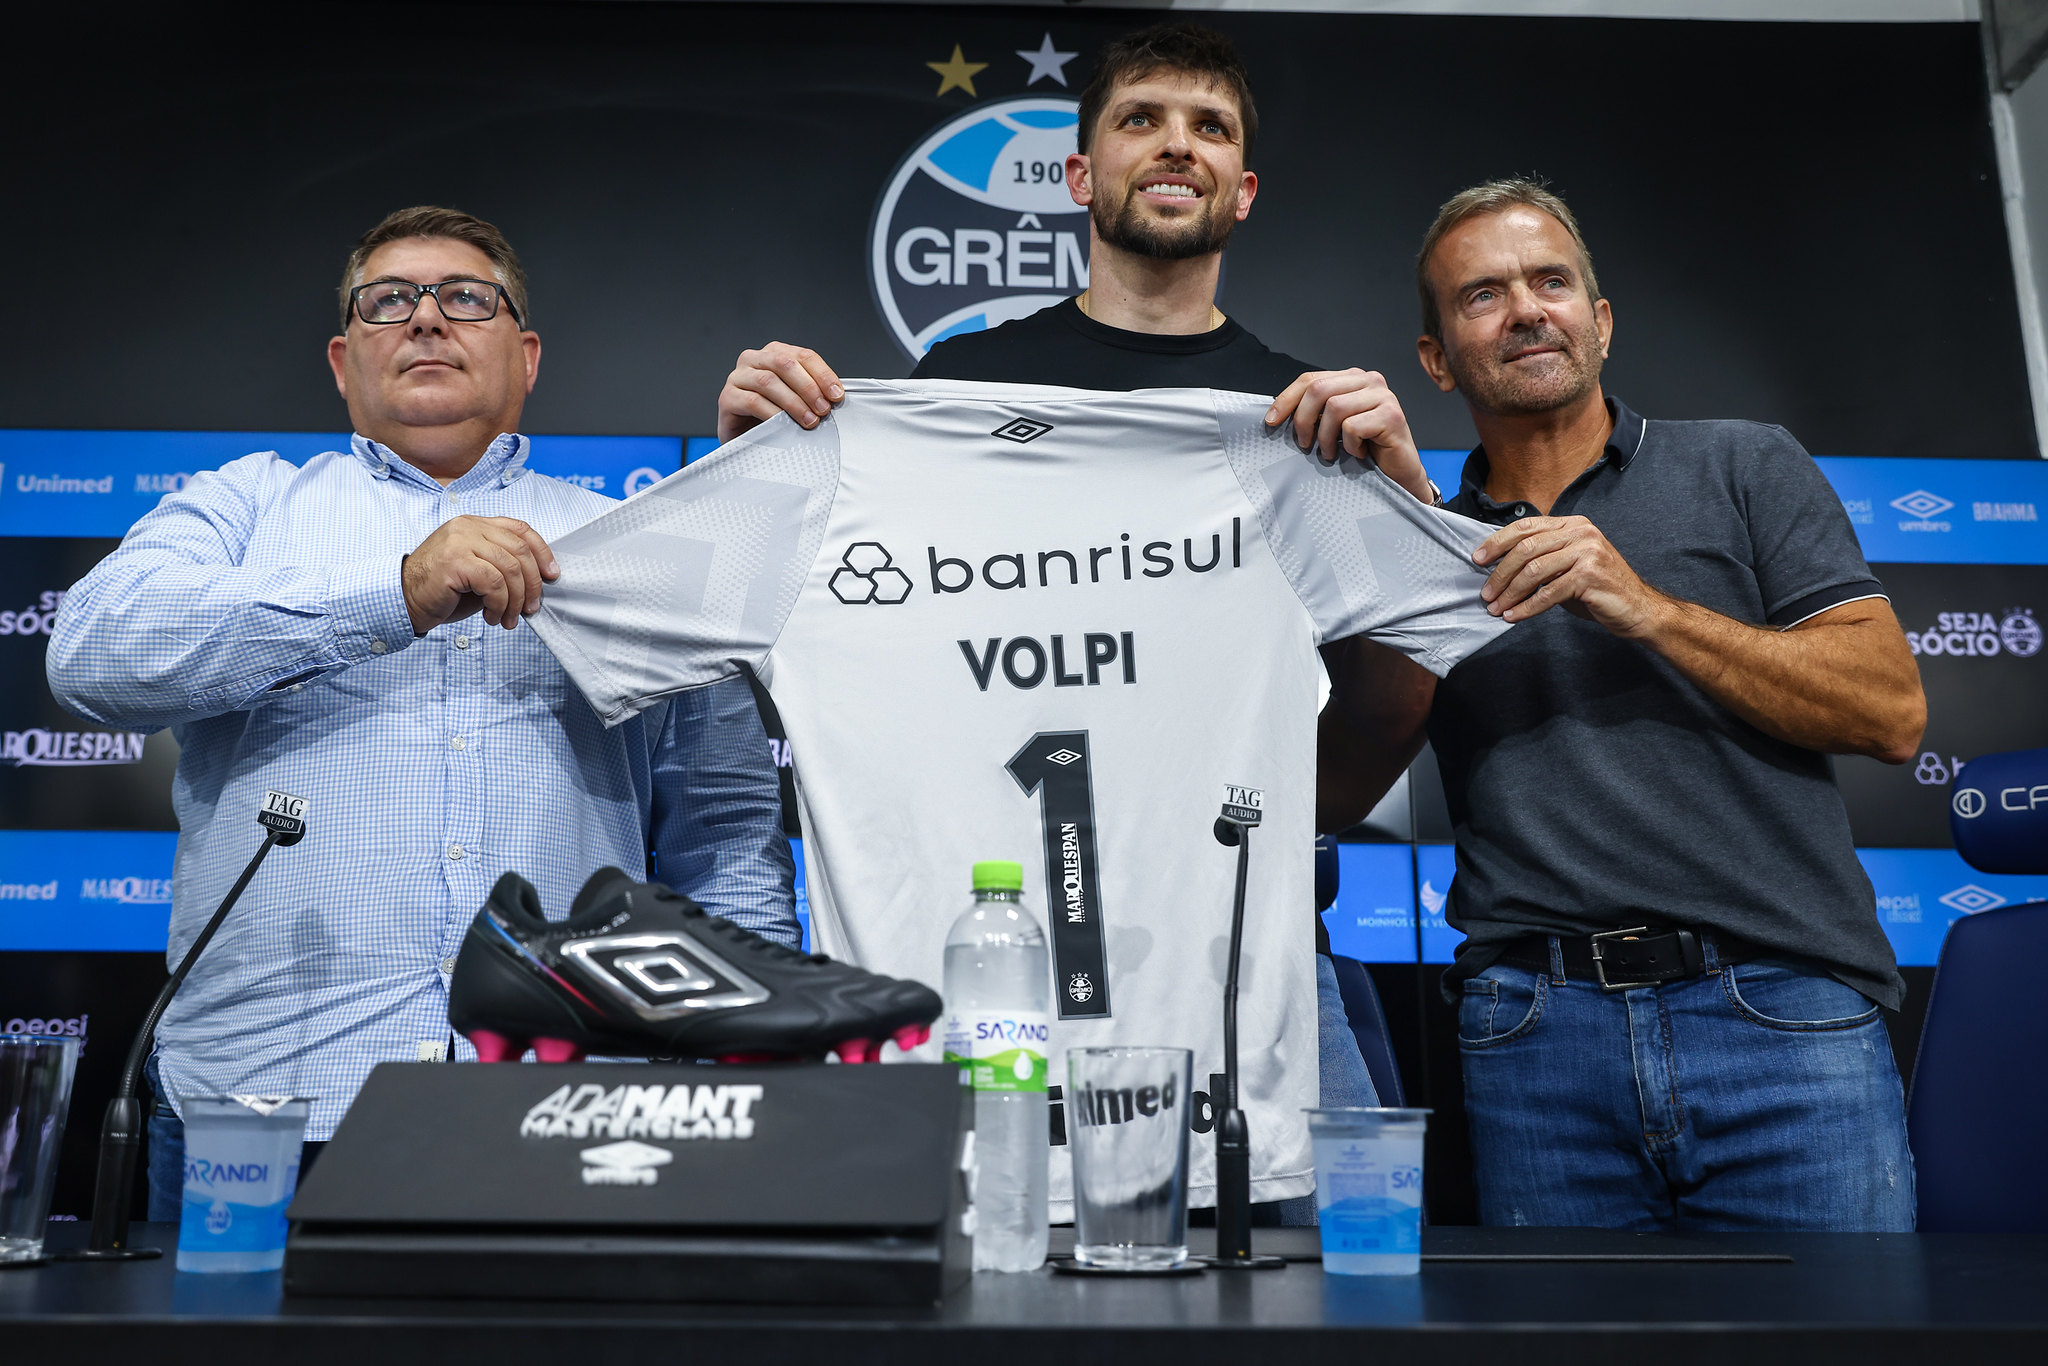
[1636, 957]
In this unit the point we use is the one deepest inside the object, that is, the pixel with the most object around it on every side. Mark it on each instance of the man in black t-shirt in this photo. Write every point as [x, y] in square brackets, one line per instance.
[1672, 972]
[1166, 126]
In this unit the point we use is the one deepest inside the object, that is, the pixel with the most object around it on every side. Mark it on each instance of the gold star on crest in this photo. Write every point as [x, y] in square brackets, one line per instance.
[958, 73]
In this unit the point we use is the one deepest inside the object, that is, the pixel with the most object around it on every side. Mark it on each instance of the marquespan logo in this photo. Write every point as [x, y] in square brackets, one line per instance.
[976, 227]
[867, 573]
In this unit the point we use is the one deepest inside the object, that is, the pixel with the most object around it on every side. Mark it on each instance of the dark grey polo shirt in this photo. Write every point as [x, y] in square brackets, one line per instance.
[1592, 786]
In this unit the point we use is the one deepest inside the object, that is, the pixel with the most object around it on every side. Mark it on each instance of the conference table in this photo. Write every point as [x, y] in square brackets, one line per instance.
[1484, 1295]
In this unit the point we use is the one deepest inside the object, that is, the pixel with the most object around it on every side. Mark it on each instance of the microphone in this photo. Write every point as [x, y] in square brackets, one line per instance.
[1243, 808]
[1998, 812]
[283, 819]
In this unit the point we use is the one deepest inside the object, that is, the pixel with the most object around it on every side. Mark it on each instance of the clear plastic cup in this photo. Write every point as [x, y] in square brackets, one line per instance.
[1369, 1189]
[241, 1167]
[35, 1097]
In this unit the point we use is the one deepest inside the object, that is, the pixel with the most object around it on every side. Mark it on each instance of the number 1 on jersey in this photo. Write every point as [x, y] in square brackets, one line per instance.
[1055, 766]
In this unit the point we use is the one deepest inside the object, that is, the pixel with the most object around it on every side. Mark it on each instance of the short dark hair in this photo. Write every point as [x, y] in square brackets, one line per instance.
[428, 220]
[1494, 196]
[1183, 48]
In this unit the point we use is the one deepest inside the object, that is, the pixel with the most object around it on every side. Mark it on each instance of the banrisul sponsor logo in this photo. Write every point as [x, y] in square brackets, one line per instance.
[1123, 560]
[1980, 635]
[976, 227]
[682, 1111]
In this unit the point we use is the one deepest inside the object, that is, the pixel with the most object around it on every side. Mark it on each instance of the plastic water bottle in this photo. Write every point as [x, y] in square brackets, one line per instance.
[997, 1027]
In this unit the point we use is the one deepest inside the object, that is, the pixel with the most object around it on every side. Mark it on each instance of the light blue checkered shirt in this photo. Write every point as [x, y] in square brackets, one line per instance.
[258, 614]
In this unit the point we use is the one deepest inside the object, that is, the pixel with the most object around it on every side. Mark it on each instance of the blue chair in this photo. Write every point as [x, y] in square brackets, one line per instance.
[1369, 1027]
[1361, 999]
[1979, 1105]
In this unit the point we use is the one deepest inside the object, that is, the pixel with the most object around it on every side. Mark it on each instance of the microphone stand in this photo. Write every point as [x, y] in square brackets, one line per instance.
[1233, 1135]
[121, 1132]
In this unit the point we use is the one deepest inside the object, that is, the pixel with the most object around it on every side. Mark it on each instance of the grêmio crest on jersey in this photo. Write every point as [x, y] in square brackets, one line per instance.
[976, 227]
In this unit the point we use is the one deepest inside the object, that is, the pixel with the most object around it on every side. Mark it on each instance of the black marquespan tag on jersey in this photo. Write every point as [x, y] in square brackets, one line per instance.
[1055, 765]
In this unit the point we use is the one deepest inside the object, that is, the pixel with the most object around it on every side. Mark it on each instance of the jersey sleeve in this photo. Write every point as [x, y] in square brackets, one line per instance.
[1363, 555]
[687, 581]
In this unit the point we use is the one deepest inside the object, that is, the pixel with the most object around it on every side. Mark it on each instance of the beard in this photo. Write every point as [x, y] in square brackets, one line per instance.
[1177, 239]
[1497, 385]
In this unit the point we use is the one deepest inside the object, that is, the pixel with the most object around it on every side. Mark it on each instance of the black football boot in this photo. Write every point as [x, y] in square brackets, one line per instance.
[640, 971]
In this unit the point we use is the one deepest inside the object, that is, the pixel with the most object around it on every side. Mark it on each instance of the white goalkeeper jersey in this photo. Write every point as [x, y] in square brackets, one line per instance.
[1051, 625]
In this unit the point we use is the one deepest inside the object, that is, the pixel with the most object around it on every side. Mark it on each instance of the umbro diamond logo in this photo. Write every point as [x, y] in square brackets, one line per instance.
[1970, 899]
[1021, 430]
[1062, 756]
[1921, 503]
[624, 1164]
[867, 574]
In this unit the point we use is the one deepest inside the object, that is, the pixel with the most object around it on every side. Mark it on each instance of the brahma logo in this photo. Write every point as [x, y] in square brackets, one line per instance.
[976, 227]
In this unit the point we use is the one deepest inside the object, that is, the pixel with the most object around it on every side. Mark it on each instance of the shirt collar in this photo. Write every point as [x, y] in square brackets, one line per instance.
[504, 460]
[1623, 444]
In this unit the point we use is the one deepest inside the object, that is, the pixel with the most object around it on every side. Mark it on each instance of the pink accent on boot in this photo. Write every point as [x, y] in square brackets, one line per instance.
[492, 1046]
[910, 1036]
[556, 1050]
[859, 1050]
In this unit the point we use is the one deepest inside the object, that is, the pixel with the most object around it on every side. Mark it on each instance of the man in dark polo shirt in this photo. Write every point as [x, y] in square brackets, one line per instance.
[1672, 969]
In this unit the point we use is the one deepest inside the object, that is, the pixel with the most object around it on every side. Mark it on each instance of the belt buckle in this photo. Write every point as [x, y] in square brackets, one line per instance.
[1599, 958]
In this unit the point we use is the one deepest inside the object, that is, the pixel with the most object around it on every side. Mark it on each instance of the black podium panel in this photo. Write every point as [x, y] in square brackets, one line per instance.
[808, 1184]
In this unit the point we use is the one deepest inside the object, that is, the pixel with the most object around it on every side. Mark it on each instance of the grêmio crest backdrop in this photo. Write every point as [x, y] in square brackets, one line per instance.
[1796, 223]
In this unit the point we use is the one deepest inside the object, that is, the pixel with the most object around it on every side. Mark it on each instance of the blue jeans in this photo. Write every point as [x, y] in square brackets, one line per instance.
[1759, 1096]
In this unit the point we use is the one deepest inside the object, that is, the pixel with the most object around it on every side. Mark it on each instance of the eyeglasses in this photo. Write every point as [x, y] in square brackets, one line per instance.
[395, 301]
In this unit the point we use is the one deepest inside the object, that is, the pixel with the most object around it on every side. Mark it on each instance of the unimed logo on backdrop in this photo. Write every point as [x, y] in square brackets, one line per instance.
[976, 227]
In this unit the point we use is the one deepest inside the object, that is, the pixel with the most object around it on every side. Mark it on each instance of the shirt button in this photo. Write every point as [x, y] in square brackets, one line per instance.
[457, 743]
[454, 851]
[377, 647]
[462, 642]
[453, 496]
[448, 965]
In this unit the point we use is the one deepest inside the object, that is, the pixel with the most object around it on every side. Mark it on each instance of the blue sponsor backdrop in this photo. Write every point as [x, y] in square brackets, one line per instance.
[1920, 893]
[78, 483]
[91, 890]
[1912, 511]
[109, 890]
[73, 483]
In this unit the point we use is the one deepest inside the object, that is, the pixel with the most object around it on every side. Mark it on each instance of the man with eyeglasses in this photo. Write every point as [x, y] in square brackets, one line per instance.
[315, 630]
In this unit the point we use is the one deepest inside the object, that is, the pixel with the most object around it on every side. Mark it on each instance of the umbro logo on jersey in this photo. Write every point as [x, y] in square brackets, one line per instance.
[867, 573]
[1062, 757]
[1021, 430]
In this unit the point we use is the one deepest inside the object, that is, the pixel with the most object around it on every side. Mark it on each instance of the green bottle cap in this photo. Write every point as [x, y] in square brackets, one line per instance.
[998, 875]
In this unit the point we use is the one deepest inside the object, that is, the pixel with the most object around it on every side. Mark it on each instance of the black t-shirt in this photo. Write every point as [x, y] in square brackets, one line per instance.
[1062, 345]
[1592, 786]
